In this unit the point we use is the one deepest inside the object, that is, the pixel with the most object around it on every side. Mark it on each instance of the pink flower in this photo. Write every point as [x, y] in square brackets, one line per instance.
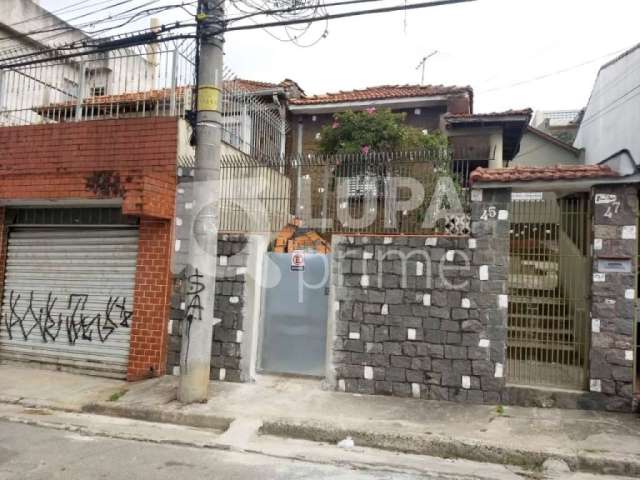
[335, 125]
[365, 149]
[371, 110]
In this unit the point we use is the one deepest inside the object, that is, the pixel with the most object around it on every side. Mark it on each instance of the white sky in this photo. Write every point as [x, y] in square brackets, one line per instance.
[488, 44]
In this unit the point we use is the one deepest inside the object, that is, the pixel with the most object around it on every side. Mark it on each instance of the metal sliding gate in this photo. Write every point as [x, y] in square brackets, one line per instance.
[549, 285]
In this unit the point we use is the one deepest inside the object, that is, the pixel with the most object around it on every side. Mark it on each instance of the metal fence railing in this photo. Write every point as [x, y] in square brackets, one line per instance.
[549, 283]
[145, 81]
[384, 193]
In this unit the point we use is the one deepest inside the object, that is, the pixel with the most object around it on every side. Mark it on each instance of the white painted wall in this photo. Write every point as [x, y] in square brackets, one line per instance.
[536, 151]
[612, 118]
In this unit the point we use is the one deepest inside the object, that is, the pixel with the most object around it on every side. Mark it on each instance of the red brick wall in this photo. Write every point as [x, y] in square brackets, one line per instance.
[148, 350]
[55, 162]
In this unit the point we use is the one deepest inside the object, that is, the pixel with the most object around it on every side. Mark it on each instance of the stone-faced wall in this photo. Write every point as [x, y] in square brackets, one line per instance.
[423, 316]
[613, 307]
[229, 307]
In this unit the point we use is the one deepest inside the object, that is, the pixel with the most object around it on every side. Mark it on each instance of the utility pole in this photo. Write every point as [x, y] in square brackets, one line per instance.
[423, 62]
[197, 326]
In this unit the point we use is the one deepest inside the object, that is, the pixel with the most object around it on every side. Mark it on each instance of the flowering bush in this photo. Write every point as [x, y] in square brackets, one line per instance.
[375, 131]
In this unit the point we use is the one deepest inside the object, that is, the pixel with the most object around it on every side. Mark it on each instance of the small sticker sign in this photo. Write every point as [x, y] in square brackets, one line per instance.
[297, 261]
[603, 198]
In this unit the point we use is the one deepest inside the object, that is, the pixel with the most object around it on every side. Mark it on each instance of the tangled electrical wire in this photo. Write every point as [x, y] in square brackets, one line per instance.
[302, 35]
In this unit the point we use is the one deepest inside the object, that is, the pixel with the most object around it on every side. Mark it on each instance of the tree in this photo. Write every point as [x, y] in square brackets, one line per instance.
[375, 131]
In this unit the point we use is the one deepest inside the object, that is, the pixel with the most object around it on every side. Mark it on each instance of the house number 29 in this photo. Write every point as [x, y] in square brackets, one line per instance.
[488, 213]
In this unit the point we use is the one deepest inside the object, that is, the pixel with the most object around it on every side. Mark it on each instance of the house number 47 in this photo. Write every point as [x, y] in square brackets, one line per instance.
[612, 209]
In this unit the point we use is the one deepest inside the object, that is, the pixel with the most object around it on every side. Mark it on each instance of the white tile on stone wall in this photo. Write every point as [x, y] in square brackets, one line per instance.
[223, 374]
[241, 271]
[181, 191]
[609, 301]
[223, 260]
[476, 195]
[336, 306]
[499, 373]
[176, 371]
[466, 382]
[595, 325]
[354, 335]
[368, 373]
[169, 326]
[178, 221]
[388, 240]
[473, 243]
[238, 336]
[595, 385]
[450, 255]
[484, 272]
[183, 305]
[628, 355]
[415, 390]
[216, 321]
[180, 172]
[503, 301]
[599, 277]
[466, 303]
[364, 281]
[342, 386]
[234, 300]
[630, 294]
[484, 343]
[629, 232]
[426, 299]
[597, 244]
[411, 333]
[188, 205]
[367, 255]
[419, 269]
[431, 242]
[178, 245]
[503, 214]
[384, 310]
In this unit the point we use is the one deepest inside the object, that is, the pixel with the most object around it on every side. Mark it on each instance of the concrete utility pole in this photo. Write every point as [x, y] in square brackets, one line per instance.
[197, 331]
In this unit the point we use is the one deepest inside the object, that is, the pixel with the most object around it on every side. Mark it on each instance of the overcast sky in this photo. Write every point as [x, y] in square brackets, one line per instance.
[499, 47]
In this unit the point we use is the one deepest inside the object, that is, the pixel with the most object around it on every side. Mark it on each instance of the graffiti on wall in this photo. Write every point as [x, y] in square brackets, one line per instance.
[27, 318]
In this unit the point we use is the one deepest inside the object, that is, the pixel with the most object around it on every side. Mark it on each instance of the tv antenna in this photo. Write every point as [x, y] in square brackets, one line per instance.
[423, 63]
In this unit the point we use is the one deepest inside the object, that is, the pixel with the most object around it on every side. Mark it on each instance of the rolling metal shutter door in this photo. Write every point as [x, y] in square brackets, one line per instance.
[68, 298]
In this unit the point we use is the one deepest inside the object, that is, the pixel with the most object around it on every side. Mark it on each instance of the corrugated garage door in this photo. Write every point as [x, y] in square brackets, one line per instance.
[68, 297]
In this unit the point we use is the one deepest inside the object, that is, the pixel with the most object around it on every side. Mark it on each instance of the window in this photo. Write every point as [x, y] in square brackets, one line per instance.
[100, 91]
[237, 132]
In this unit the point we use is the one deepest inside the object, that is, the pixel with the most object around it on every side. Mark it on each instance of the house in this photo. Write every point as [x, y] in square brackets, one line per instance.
[538, 148]
[31, 28]
[608, 131]
[561, 124]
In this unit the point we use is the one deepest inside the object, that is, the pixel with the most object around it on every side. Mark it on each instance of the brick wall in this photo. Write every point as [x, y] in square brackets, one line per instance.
[148, 350]
[64, 161]
[132, 160]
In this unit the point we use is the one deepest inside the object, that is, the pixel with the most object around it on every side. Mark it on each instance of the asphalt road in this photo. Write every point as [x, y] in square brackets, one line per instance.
[30, 453]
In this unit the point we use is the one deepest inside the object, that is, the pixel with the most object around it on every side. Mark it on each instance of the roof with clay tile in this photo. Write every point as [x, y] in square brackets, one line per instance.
[530, 174]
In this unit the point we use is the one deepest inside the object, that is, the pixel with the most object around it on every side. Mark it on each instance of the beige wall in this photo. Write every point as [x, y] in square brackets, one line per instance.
[536, 151]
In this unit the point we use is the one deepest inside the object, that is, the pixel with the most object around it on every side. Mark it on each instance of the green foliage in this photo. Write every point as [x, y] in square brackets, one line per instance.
[375, 131]
[118, 395]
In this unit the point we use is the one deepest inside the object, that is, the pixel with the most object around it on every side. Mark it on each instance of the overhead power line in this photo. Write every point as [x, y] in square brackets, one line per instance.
[354, 13]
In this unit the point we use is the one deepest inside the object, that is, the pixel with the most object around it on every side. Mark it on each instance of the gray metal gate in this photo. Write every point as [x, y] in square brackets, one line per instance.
[294, 315]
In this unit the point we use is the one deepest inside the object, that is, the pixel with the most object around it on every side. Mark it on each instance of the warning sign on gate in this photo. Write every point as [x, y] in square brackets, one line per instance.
[297, 261]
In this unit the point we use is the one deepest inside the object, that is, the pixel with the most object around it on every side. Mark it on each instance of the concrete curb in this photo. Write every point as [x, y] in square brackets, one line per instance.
[414, 443]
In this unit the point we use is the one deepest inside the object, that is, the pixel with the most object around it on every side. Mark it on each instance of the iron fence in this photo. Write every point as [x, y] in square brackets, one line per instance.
[145, 81]
[549, 282]
[384, 193]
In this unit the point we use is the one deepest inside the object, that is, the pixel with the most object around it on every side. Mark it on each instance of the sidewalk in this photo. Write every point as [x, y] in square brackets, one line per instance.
[298, 408]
